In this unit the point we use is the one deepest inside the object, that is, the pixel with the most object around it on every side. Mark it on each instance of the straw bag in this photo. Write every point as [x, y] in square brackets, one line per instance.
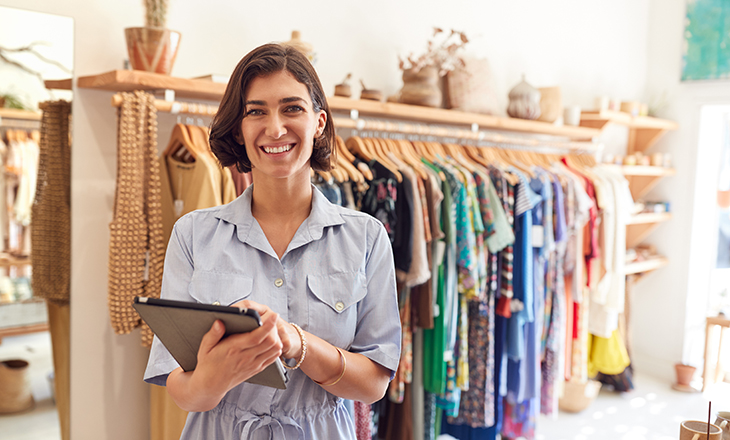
[15, 394]
[579, 396]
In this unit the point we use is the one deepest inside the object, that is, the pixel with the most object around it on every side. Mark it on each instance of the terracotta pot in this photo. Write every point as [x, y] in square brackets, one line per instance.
[421, 87]
[152, 49]
[684, 374]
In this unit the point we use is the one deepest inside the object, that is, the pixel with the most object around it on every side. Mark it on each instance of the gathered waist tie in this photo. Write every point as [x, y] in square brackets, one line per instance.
[283, 427]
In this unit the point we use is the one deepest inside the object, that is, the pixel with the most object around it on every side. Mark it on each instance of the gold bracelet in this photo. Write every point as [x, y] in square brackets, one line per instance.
[304, 348]
[343, 361]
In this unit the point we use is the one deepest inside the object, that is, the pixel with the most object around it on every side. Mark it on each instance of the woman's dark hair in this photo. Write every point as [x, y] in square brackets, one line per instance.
[262, 61]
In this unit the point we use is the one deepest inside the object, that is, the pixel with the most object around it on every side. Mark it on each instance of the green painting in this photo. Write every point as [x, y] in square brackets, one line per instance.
[707, 40]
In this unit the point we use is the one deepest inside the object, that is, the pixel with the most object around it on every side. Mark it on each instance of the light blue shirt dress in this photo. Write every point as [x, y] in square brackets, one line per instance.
[336, 280]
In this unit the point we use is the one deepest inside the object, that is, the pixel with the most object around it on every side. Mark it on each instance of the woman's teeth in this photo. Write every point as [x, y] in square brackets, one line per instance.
[272, 150]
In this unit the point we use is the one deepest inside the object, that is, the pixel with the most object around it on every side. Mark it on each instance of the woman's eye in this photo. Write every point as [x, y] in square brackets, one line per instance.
[254, 112]
[294, 109]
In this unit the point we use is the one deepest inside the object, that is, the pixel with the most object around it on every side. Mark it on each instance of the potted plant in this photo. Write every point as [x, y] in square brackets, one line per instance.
[153, 48]
[421, 74]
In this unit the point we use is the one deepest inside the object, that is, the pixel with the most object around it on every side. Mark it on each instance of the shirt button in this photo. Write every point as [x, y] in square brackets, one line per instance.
[216, 303]
[279, 282]
[340, 306]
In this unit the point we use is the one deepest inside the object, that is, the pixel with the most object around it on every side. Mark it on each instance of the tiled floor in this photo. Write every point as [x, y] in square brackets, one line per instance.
[651, 412]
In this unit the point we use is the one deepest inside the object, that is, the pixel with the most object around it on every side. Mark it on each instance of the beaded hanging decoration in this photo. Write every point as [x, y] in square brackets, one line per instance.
[51, 211]
[136, 249]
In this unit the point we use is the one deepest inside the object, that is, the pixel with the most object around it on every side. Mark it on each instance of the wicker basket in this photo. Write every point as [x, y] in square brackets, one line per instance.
[579, 396]
[15, 393]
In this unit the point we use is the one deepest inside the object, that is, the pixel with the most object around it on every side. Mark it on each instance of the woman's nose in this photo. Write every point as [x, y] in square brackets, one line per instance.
[275, 127]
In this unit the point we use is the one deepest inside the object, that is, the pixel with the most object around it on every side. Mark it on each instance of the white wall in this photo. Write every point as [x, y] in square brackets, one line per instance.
[671, 304]
[588, 47]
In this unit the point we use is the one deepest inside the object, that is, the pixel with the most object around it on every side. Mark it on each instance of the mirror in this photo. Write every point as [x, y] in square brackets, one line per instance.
[34, 48]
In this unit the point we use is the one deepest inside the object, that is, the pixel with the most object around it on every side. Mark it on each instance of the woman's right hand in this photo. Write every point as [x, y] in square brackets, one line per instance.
[224, 364]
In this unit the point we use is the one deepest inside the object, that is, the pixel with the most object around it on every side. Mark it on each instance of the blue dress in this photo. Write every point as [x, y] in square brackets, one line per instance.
[336, 280]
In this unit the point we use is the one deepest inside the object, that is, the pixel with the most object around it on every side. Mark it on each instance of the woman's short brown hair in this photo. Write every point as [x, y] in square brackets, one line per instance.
[262, 61]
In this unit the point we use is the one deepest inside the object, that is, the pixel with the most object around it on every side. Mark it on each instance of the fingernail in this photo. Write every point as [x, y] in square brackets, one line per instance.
[218, 326]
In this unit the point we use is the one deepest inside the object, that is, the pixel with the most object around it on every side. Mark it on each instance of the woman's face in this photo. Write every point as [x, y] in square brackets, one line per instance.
[279, 125]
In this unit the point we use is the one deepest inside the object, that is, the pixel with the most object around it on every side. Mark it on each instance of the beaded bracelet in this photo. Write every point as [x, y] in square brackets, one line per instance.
[304, 348]
[343, 361]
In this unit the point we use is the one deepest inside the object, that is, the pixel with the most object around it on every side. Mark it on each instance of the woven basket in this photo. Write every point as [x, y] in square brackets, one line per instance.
[15, 393]
[579, 396]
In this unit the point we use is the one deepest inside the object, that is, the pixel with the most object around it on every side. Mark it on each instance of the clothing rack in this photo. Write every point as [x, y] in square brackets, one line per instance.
[408, 130]
[22, 119]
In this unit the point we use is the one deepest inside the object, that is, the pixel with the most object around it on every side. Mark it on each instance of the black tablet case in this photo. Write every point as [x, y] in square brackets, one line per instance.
[180, 326]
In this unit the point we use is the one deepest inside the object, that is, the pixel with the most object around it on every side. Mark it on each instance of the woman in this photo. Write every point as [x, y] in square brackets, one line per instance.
[321, 276]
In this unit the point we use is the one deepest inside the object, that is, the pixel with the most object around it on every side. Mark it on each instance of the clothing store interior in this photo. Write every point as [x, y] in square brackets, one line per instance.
[554, 177]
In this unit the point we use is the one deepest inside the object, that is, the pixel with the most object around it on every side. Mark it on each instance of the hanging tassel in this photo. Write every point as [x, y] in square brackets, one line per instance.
[503, 307]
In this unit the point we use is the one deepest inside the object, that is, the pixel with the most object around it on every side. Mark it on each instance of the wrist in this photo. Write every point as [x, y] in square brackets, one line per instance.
[298, 354]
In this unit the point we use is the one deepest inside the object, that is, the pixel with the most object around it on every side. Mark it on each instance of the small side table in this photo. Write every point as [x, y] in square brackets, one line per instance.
[712, 322]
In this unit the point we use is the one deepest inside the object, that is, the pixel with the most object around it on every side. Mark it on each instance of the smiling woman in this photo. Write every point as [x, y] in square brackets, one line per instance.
[321, 276]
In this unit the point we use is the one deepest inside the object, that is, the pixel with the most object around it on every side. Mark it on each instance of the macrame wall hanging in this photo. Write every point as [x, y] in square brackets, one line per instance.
[136, 248]
[51, 212]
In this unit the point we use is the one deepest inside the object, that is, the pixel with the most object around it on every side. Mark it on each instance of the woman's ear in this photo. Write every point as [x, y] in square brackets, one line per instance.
[321, 122]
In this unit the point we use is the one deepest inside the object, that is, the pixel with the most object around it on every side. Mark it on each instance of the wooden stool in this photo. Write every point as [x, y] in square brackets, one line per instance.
[723, 323]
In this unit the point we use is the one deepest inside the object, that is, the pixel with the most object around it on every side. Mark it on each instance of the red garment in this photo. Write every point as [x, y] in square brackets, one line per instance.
[362, 421]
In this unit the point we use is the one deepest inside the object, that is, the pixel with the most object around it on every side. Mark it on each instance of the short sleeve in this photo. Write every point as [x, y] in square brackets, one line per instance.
[175, 279]
[378, 332]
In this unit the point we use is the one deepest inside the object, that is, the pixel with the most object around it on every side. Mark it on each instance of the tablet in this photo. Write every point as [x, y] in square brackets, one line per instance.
[181, 325]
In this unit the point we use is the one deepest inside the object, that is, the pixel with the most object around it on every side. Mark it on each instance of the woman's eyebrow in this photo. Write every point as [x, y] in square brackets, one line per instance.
[281, 101]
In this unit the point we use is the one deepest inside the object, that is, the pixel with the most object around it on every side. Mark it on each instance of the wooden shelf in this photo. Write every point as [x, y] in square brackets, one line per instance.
[59, 84]
[7, 262]
[643, 178]
[644, 131]
[649, 217]
[23, 330]
[641, 170]
[594, 118]
[24, 115]
[130, 80]
[646, 265]
[641, 225]
[392, 110]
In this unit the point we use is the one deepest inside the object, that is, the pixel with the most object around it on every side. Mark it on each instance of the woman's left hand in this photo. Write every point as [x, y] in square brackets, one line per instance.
[292, 344]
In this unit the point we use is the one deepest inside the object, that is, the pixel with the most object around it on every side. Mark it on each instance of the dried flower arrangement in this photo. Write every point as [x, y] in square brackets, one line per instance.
[443, 54]
[155, 13]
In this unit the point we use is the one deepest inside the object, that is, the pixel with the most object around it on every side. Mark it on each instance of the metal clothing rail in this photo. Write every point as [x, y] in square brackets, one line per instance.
[407, 130]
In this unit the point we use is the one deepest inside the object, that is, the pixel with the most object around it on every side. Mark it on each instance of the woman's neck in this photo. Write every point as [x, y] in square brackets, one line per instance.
[281, 200]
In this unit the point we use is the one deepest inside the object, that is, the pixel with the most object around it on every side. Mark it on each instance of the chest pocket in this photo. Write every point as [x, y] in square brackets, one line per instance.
[220, 288]
[333, 306]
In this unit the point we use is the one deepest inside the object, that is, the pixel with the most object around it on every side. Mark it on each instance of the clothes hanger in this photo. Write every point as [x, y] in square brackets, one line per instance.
[199, 138]
[36, 136]
[10, 135]
[361, 169]
[179, 141]
[411, 159]
[357, 146]
[463, 160]
[353, 144]
[380, 157]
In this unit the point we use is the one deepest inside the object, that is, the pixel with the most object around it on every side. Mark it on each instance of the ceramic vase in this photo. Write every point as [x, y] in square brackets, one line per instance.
[421, 87]
[152, 49]
[524, 101]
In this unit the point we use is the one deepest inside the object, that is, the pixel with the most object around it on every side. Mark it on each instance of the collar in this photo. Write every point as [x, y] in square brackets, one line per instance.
[323, 214]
